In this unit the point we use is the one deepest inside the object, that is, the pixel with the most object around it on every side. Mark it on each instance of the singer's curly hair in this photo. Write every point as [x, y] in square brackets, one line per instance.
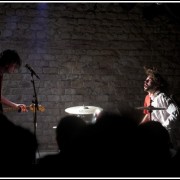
[157, 78]
[8, 57]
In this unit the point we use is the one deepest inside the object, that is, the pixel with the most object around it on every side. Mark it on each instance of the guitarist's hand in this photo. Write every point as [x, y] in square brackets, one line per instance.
[22, 108]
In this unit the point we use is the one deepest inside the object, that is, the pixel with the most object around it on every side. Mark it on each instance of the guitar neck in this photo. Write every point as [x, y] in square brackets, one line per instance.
[31, 108]
[9, 109]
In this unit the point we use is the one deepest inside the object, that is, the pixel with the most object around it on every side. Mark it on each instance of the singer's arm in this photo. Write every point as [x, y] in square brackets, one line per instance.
[9, 103]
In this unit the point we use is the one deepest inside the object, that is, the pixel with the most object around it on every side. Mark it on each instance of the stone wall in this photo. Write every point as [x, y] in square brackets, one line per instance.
[85, 54]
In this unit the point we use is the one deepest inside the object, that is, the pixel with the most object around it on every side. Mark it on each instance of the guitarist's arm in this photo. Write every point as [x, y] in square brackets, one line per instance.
[9, 103]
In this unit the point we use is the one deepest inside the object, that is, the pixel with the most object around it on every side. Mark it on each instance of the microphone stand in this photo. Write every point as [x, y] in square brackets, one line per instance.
[35, 102]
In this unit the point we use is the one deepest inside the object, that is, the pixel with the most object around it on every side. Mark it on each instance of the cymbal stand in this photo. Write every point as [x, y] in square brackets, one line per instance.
[150, 110]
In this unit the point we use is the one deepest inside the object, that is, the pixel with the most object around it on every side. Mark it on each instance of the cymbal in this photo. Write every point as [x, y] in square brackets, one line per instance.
[151, 108]
[82, 110]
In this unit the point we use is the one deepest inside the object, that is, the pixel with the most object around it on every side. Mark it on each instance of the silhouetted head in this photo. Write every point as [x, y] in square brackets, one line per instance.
[10, 57]
[154, 139]
[68, 129]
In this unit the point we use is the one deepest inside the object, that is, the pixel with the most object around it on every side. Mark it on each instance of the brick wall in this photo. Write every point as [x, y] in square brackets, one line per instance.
[85, 54]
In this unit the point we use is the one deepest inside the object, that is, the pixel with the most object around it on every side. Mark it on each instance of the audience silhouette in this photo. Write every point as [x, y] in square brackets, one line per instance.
[67, 131]
[114, 146]
[113, 139]
[153, 149]
[103, 148]
[18, 149]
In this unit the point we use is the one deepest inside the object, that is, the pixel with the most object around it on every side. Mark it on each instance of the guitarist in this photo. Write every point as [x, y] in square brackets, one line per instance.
[9, 62]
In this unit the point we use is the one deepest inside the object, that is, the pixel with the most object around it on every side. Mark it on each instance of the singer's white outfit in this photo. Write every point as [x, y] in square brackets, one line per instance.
[169, 117]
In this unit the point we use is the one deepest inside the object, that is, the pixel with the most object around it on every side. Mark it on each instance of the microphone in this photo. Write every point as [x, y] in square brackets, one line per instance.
[31, 70]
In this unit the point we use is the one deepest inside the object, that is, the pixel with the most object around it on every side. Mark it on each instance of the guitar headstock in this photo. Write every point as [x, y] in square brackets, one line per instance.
[40, 108]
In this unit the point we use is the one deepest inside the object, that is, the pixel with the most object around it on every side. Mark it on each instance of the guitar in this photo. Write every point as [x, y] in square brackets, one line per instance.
[31, 107]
